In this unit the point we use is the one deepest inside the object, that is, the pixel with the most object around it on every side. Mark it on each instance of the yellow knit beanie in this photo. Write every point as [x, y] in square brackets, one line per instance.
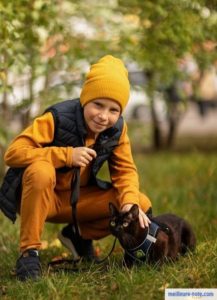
[108, 78]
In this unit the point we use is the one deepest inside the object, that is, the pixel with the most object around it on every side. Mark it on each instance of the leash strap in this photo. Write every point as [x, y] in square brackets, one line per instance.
[107, 256]
[73, 264]
[75, 189]
[75, 193]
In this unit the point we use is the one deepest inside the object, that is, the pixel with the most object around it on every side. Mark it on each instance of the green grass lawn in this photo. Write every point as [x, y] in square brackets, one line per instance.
[184, 184]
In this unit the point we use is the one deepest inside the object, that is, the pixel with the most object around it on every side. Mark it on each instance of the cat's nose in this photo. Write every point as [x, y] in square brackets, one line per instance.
[118, 228]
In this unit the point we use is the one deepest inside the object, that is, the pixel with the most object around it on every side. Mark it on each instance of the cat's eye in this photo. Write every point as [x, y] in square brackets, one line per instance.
[125, 224]
[112, 223]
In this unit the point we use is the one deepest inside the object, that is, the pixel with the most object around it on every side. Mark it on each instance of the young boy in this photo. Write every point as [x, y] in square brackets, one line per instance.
[43, 156]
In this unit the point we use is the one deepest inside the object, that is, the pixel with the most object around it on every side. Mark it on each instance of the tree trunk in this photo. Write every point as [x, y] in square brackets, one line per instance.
[173, 120]
[26, 115]
[156, 130]
[172, 95]
[5, 115]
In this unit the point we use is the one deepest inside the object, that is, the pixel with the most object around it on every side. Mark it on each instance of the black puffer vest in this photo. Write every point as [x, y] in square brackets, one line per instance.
[70, 130]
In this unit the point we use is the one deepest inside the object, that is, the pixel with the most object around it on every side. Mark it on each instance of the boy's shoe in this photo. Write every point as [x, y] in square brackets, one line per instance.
[28, 265]
[68, 239]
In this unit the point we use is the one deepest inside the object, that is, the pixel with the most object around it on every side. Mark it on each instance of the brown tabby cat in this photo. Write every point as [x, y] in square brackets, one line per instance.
[167, 237]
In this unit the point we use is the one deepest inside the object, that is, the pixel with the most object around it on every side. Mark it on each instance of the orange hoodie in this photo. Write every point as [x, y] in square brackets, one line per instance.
[29, 147]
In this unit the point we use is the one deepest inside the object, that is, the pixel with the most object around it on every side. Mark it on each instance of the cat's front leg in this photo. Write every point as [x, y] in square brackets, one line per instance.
[128, 261]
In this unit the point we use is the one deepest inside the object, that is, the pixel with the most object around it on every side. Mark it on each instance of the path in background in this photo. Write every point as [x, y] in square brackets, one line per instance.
[192, 123]
[197, 130]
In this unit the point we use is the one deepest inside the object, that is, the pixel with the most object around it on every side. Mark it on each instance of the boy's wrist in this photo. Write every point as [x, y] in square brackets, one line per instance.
[129, 203]
[69, 155]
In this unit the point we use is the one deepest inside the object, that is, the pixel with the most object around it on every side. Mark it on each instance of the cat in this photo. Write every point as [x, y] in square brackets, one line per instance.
[173, 236]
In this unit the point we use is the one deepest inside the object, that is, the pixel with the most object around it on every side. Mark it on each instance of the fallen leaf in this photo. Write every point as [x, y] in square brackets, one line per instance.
[55, 243]
[164, 286]
[44, 244]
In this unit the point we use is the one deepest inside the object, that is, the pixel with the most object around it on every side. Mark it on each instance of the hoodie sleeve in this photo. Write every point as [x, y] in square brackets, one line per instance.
[123, 171]
[30, 146]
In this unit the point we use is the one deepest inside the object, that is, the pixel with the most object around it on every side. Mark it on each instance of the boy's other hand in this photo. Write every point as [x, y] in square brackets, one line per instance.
[82, 156]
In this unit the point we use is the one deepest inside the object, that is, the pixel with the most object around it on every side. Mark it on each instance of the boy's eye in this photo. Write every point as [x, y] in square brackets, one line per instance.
[112, 223]
[125, 224]
[97, 104]
[115, 111]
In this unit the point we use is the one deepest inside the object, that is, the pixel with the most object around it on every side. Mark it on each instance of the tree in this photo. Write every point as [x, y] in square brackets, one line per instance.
[159, 34]
[26, 29]
[41, 40]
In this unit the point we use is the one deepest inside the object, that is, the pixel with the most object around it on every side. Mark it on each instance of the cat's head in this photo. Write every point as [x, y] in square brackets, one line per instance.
[125, 225]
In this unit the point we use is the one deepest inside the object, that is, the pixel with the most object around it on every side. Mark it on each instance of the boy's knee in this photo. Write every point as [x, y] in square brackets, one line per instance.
[39, 175]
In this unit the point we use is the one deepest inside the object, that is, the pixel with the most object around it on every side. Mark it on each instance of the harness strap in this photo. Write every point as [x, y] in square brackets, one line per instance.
[140, 252]
[162, 226]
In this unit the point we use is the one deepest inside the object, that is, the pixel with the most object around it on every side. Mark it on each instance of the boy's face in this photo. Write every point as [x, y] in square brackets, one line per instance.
[100, 114]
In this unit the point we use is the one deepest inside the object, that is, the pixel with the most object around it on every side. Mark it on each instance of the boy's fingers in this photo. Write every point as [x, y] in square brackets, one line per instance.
[91, 152]
[88, 157]
[143, 220]
[85, 161]
[146, 223]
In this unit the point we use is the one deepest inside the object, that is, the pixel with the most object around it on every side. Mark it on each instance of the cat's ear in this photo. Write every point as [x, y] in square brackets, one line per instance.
[113, 209]
[134, 211]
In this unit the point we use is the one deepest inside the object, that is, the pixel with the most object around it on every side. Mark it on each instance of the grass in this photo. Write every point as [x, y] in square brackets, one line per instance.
[182, 183]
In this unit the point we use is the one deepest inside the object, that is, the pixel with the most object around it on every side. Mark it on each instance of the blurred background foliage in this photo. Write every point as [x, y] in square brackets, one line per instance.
[46, 48]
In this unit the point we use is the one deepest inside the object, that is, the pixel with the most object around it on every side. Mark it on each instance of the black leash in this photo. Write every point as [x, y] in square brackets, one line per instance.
[74, 199]
[75, 186]
[107, 256]
[75, 193]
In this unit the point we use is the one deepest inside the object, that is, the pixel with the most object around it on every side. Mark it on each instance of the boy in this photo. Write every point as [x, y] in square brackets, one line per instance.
[43, 156]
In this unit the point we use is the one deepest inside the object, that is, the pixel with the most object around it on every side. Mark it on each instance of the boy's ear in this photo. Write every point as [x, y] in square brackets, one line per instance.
[134, 211]
[113, 209]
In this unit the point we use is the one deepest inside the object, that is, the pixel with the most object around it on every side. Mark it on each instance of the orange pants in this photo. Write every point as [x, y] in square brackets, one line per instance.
[41, 202]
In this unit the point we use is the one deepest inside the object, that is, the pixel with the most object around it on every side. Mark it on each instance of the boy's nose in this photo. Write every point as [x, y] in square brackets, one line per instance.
[103, 116]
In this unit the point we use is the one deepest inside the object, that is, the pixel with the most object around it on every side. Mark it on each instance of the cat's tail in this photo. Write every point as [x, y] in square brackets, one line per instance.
[188, 238]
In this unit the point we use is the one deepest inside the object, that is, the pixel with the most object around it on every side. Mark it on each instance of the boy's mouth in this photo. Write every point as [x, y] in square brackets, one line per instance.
[99, 124]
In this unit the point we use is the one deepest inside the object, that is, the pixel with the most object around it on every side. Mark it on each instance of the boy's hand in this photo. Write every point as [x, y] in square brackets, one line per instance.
[82, 156]
[143, 219]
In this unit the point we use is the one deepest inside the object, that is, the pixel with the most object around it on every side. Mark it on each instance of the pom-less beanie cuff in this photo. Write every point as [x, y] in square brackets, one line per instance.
[108, 78]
